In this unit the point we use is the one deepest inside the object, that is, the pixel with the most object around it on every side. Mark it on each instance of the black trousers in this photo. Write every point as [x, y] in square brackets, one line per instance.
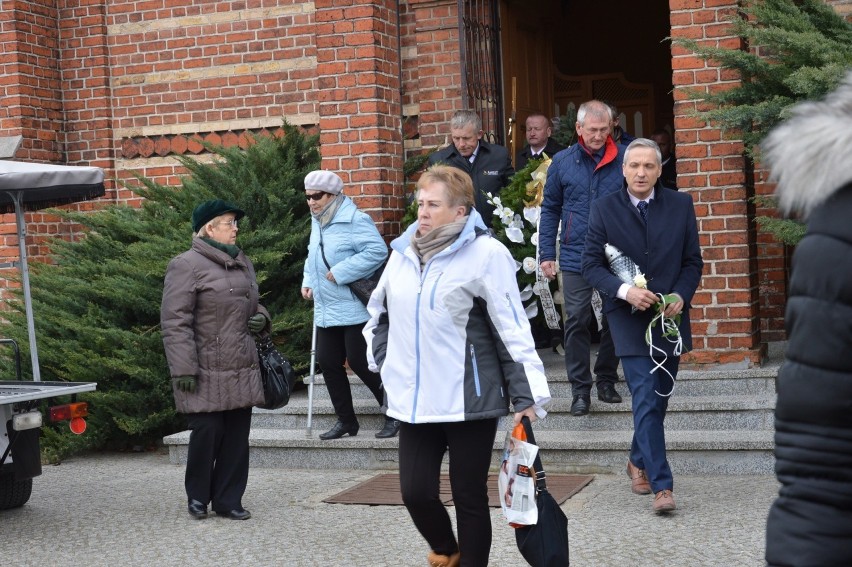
[421, 450]
[577, 295]
[217, 463]
[335, 347]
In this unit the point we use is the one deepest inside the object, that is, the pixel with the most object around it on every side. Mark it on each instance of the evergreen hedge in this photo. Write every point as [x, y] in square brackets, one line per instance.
[97, 303]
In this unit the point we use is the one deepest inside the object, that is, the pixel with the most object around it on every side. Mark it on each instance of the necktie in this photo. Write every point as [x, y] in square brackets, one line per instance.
[643, 210]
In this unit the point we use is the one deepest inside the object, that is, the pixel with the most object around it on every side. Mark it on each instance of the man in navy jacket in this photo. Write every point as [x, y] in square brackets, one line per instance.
[656, 228]
[577, 177]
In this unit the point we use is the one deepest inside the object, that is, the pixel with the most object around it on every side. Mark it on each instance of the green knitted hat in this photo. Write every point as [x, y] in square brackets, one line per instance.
[209, 210]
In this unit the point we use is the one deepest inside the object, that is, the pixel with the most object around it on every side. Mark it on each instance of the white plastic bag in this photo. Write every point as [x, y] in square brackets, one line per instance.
[516, 480]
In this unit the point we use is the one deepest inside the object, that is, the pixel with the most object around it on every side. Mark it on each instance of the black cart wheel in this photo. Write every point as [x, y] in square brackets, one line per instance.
[14, 493]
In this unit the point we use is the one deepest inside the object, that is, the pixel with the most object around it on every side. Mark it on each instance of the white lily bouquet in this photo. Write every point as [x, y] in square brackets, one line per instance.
[519, 207]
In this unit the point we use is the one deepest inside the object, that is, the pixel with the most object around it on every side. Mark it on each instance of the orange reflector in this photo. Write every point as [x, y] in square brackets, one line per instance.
[69, 411]
[78, 425]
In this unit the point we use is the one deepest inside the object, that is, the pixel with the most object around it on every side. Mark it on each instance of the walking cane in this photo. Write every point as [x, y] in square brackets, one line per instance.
[311, 377]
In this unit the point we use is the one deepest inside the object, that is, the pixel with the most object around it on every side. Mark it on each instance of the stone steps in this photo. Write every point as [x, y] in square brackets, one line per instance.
[690, 382]
[689, 452]
[718, 422]
[693, 412]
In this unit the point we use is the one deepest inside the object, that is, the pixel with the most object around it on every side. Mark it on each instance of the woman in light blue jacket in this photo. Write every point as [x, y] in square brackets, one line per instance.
[344, 247]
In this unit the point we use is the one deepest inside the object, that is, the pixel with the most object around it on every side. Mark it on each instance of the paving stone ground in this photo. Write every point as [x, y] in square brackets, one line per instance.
[129, 509]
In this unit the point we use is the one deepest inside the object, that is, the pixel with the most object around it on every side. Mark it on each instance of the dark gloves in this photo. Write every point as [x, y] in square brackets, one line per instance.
[186, 383]
[256, 323]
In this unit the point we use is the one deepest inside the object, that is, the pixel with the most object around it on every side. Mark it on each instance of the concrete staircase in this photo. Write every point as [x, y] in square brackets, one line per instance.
[718, 422]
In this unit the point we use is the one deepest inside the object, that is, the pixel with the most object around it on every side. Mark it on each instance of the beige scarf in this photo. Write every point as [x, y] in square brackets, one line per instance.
[436, 240]
[324, 216]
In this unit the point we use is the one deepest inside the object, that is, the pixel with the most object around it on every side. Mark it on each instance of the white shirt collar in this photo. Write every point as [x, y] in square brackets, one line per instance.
[473, 155]
[635, 201]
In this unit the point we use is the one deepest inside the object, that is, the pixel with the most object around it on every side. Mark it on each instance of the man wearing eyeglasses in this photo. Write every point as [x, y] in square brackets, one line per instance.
[578, 176]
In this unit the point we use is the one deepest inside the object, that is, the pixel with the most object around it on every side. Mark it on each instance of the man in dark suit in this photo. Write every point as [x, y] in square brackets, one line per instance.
[538, 131]
[488, 165]
[656, 228]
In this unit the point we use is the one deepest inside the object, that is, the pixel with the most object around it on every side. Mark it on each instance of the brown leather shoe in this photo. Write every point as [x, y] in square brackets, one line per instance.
[638, 481]
[664, 501]
[436, 560]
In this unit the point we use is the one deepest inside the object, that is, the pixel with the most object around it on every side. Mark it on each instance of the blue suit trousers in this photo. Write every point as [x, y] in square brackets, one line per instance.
[648, 449]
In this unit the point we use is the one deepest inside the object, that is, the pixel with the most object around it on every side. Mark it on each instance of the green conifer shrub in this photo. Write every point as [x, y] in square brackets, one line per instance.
[793, 50]
[97, 303]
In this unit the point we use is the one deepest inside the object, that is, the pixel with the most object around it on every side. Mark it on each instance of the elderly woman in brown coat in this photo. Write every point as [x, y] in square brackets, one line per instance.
[209, 314]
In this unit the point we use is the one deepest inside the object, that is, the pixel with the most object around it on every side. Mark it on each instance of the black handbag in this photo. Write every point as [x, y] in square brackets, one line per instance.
[363, 288]
[545, 543]
[276, 373]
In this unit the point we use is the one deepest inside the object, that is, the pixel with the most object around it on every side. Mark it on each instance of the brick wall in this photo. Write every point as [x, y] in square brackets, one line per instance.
[713, 170]
[85, 70]
[842, 7]
[773, 268]
[358, 76]
[438, 63]
[774, 259]
[744, 290]
[183, 71]
[30, 82]
[413, 144]
[53, 64]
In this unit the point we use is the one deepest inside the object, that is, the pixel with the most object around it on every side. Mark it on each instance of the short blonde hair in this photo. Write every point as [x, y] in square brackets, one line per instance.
[457, 184]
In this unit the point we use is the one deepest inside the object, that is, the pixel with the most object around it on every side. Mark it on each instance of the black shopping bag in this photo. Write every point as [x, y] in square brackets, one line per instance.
[544, 544]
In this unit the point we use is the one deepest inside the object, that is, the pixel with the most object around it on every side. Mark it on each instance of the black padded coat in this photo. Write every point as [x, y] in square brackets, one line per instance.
[490, 172]
[810, 524]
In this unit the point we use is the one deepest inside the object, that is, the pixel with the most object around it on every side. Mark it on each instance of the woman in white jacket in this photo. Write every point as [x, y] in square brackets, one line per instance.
[449, 335]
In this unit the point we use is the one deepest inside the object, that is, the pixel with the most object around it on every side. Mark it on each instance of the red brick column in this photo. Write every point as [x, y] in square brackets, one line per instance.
[10, 81]
[773, 268]
[55, 80]
[358, 73]
[30, 82]
[726, 310]
[438, 67]
[55, 94]
[85, 72]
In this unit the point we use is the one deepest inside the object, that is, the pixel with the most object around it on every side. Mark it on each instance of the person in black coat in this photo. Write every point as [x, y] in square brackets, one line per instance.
[537, 131]
[488, 165]
[810, 523]
[656, 228]
[669, 175]
[619, 134]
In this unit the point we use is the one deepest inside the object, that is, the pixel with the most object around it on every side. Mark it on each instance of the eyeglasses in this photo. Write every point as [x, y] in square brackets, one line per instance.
[232, 222]
[315, 196]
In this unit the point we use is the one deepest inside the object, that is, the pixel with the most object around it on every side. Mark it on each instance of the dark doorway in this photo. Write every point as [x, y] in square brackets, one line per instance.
[563, 52]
